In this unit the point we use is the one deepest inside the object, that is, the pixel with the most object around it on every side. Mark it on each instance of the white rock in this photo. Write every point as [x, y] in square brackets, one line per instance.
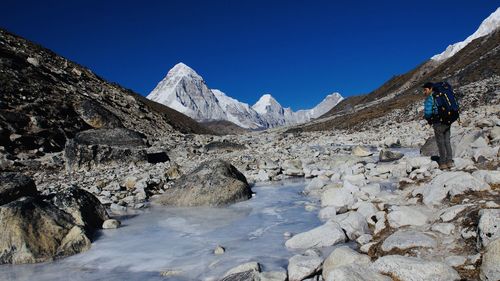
[444, 228]
[366, 248]
[407, 239]
[303, 266]
[380, 225]
[414, 269]
[488, 176]
[455, 261]
[328, 234]
[353, 223]
[366, 209]
[249, 266]
[404, 215]
[33, 61]
[491, 259]
[355, 272]
[343, 256]
[478, 143]
[262, 176]
[364, 239]
[489, 153]
[451, 183]
[489, 226]
[219, 250]
[361, 151]
[339, 198]
[273, 276]
[417, 162]
[317, 183]
[327, 213]
[451, 213]
[111, 224]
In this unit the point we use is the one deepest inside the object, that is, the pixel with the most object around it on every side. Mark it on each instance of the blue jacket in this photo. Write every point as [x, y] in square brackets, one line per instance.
[429, 109]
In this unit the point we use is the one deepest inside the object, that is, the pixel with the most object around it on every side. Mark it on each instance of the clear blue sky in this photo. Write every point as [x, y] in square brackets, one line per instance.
[299, 51]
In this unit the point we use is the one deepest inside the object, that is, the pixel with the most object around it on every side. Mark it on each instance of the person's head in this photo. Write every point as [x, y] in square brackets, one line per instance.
[428, 88]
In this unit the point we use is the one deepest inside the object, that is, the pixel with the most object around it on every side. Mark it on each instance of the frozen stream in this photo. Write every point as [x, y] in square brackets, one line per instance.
[183, 240]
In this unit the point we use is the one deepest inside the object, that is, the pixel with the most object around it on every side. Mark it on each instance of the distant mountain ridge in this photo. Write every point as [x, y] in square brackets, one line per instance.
[185, 91]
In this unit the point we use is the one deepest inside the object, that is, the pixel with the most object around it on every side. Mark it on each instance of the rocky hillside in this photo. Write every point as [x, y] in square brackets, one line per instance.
[474, 71]
[46, 99]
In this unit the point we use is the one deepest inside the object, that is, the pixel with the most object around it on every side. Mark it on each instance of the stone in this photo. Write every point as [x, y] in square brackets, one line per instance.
[273, 276]
[355, 272]
[327, 213]
[219, 250]
[339, 198]
[414, 163]
[488, 176]
[224, 146]
[92, 113]
[86, 210]
[485, 153]
[491, 259]
[248, 271]
[366, 209]
[361, 151]
[364, 239]
[413, 269]
[388, 156]
[343, 256]
[353, 223]
[34, 230]
[407, 239]
[392, 142]
[488, 227]
[302, 266]
[404, 215]
[293, 168]
[452, 212]
[262, 176]
[444, 228]
[326, 235]
[316, 184]
[14, 186]
[451, 184]
[455, 261]
[212, 183]
[111, 224]
[97, 147]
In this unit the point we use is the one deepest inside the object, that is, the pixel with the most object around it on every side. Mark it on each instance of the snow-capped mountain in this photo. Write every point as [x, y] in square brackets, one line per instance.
[237, 112]
[185, 91]
[489, 25]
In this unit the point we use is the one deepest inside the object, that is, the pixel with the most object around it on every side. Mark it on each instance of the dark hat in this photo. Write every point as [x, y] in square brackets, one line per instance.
[429, 85]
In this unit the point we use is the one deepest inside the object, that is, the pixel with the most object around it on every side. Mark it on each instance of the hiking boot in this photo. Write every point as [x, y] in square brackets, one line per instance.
[450, 164]
[443, 167]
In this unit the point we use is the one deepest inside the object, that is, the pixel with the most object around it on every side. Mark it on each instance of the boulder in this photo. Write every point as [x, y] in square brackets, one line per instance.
[97, 116]
[302, 266]
[98, 147]
[404, 215]
[244, 272]
[353, 223]
[491, 259]
[326, 235]
[361, 151]
[451, 184]
[407, 239]
[224, 146]
[488, 176]
[355, 272]
[488, 227]
[212, 183]
[293, 168]
[14, 186]
[388, 156]
[343, 256]
[340, 198]
[85, 208]
[273, 276]
[33, 230]
[414, 269]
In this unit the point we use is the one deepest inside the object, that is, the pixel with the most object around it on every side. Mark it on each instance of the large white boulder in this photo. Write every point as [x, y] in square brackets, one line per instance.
[325, 235]
[339, 198]
[489, 226]
[490, 269]
[343, 256]
[353, 223]
[355, 272]
[488, 176]
[414, 269]
[451, 184]
[302, 266]
[406, 215]
[407, 239]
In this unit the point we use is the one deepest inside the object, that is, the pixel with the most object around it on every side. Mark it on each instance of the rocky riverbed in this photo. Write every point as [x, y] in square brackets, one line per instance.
[402, 217]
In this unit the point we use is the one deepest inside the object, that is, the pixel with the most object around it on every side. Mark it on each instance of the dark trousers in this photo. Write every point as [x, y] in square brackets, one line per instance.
[442, 133]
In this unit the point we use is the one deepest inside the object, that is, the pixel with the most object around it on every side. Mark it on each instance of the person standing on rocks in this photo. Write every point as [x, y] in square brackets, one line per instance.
[441, 130]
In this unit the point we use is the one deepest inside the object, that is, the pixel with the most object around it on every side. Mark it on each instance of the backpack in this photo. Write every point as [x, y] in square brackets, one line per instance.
[446, 103]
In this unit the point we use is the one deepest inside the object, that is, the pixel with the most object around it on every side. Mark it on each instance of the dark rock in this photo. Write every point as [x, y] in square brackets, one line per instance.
[158, 157]
[97, 116]
[14, 186]
[388, 156]
[85, 208]
[224, 146]
[249, 275]
[33, 230]
[213, 183]
[104, 147]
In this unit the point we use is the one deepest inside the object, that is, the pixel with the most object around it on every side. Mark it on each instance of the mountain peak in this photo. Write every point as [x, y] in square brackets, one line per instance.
[489, 25]
[265, 103]
[182, 69]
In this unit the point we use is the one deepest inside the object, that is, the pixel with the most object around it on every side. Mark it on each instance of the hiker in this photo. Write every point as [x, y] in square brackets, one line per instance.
[440, 122]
